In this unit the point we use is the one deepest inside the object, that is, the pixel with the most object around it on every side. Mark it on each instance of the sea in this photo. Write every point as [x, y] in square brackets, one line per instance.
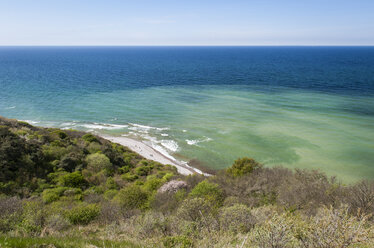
[298, 107]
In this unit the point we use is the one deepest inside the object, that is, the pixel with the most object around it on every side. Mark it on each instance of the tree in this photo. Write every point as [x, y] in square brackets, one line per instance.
[243, 166]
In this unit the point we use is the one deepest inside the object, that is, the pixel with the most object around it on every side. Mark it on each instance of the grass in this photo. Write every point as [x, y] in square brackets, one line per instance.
[52, 242]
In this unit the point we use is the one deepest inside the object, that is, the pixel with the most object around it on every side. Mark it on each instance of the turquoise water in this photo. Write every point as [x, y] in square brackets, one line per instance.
[298, 107]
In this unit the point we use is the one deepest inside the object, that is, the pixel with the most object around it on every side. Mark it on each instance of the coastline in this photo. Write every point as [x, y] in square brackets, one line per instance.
[150, 153]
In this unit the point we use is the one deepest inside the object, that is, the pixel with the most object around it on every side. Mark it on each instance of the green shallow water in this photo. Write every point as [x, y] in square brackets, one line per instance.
[216, 125]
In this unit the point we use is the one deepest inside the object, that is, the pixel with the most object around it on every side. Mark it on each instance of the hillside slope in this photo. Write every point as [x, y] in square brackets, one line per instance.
[65, 188]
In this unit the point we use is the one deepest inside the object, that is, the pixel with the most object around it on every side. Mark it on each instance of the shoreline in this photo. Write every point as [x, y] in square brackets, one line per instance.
[150, 153]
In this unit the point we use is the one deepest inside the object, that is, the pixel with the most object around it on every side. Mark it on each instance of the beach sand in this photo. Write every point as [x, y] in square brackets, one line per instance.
[152, 154]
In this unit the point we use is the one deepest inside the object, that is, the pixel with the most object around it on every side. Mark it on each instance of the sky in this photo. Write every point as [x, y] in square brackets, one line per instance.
[186, 22]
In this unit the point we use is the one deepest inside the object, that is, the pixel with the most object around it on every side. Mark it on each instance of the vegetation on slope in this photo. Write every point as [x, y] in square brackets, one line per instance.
[65, 188]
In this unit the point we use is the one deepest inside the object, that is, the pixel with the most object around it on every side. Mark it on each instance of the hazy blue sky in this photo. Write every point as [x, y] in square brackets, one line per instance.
[190, 22]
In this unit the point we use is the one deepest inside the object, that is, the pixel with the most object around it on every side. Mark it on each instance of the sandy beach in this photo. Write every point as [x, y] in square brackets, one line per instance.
[149, 153]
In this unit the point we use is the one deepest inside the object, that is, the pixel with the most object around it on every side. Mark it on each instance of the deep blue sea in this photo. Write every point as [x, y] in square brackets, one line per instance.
[301, 107]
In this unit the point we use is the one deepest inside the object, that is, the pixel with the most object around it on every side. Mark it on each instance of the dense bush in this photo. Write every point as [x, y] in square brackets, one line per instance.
[74, 180]
[243, 166]
[97, 162]
[236, 218]
[90, 138]
[132, 197]
[209, 191]
[10, 211]
[51, 195]
[83, 214]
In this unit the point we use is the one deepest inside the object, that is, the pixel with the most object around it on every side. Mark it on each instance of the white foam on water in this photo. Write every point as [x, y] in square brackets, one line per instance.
[31, 122]
[150, 138]
[141, 126]
[11, 107]
[192, 142]
[196, 142]
[101, 126]
[138, 127]
[139, 130]
[119, 126]
[170, 145]
[67, 125]
[164, 134]
[184, 130]
[162, 128]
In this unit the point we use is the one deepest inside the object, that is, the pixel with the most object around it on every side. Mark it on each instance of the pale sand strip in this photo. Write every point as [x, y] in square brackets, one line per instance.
[150, 153]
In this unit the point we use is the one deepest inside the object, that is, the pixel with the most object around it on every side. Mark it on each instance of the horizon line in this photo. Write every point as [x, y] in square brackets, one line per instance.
[289, 45]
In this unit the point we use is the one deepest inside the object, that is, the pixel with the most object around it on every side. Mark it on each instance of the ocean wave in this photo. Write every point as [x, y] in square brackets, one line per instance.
[140, 130]
[11, 107]
[162, 150]
[144, 127]
[150, 138]
[31, 122]
[170, 145]
[141, 126]
[196, 142]
[101, 126]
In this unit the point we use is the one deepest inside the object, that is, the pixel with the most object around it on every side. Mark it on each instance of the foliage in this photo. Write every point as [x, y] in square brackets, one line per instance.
[83, 214]
[74, 180]
[236, 218]
[51, 195]
[97, 162]
[90, 138]
[243, 166]
[209, 191]
[335, 228]
[132, 197]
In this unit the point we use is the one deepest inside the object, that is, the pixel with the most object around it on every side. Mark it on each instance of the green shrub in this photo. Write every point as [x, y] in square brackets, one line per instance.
[73, 192]
[208, 191]
[153, 183]
[94, 147]
[97, 162]
[236, 218]
[129, 177]
[335, 228]
[275, 232]
[74, 180]
[10, 213]
[167, 176]
[128, 158]
[83, 214]
[132, 197]
[142, 170]
[33, 218]
[53, 152]
[124, 169]
[8, 187]
[111, 183]
[194, 209]
[51, 195]
[110, 194]
[243, 166]
[60, 134]
[70, 161]
[90, 138]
